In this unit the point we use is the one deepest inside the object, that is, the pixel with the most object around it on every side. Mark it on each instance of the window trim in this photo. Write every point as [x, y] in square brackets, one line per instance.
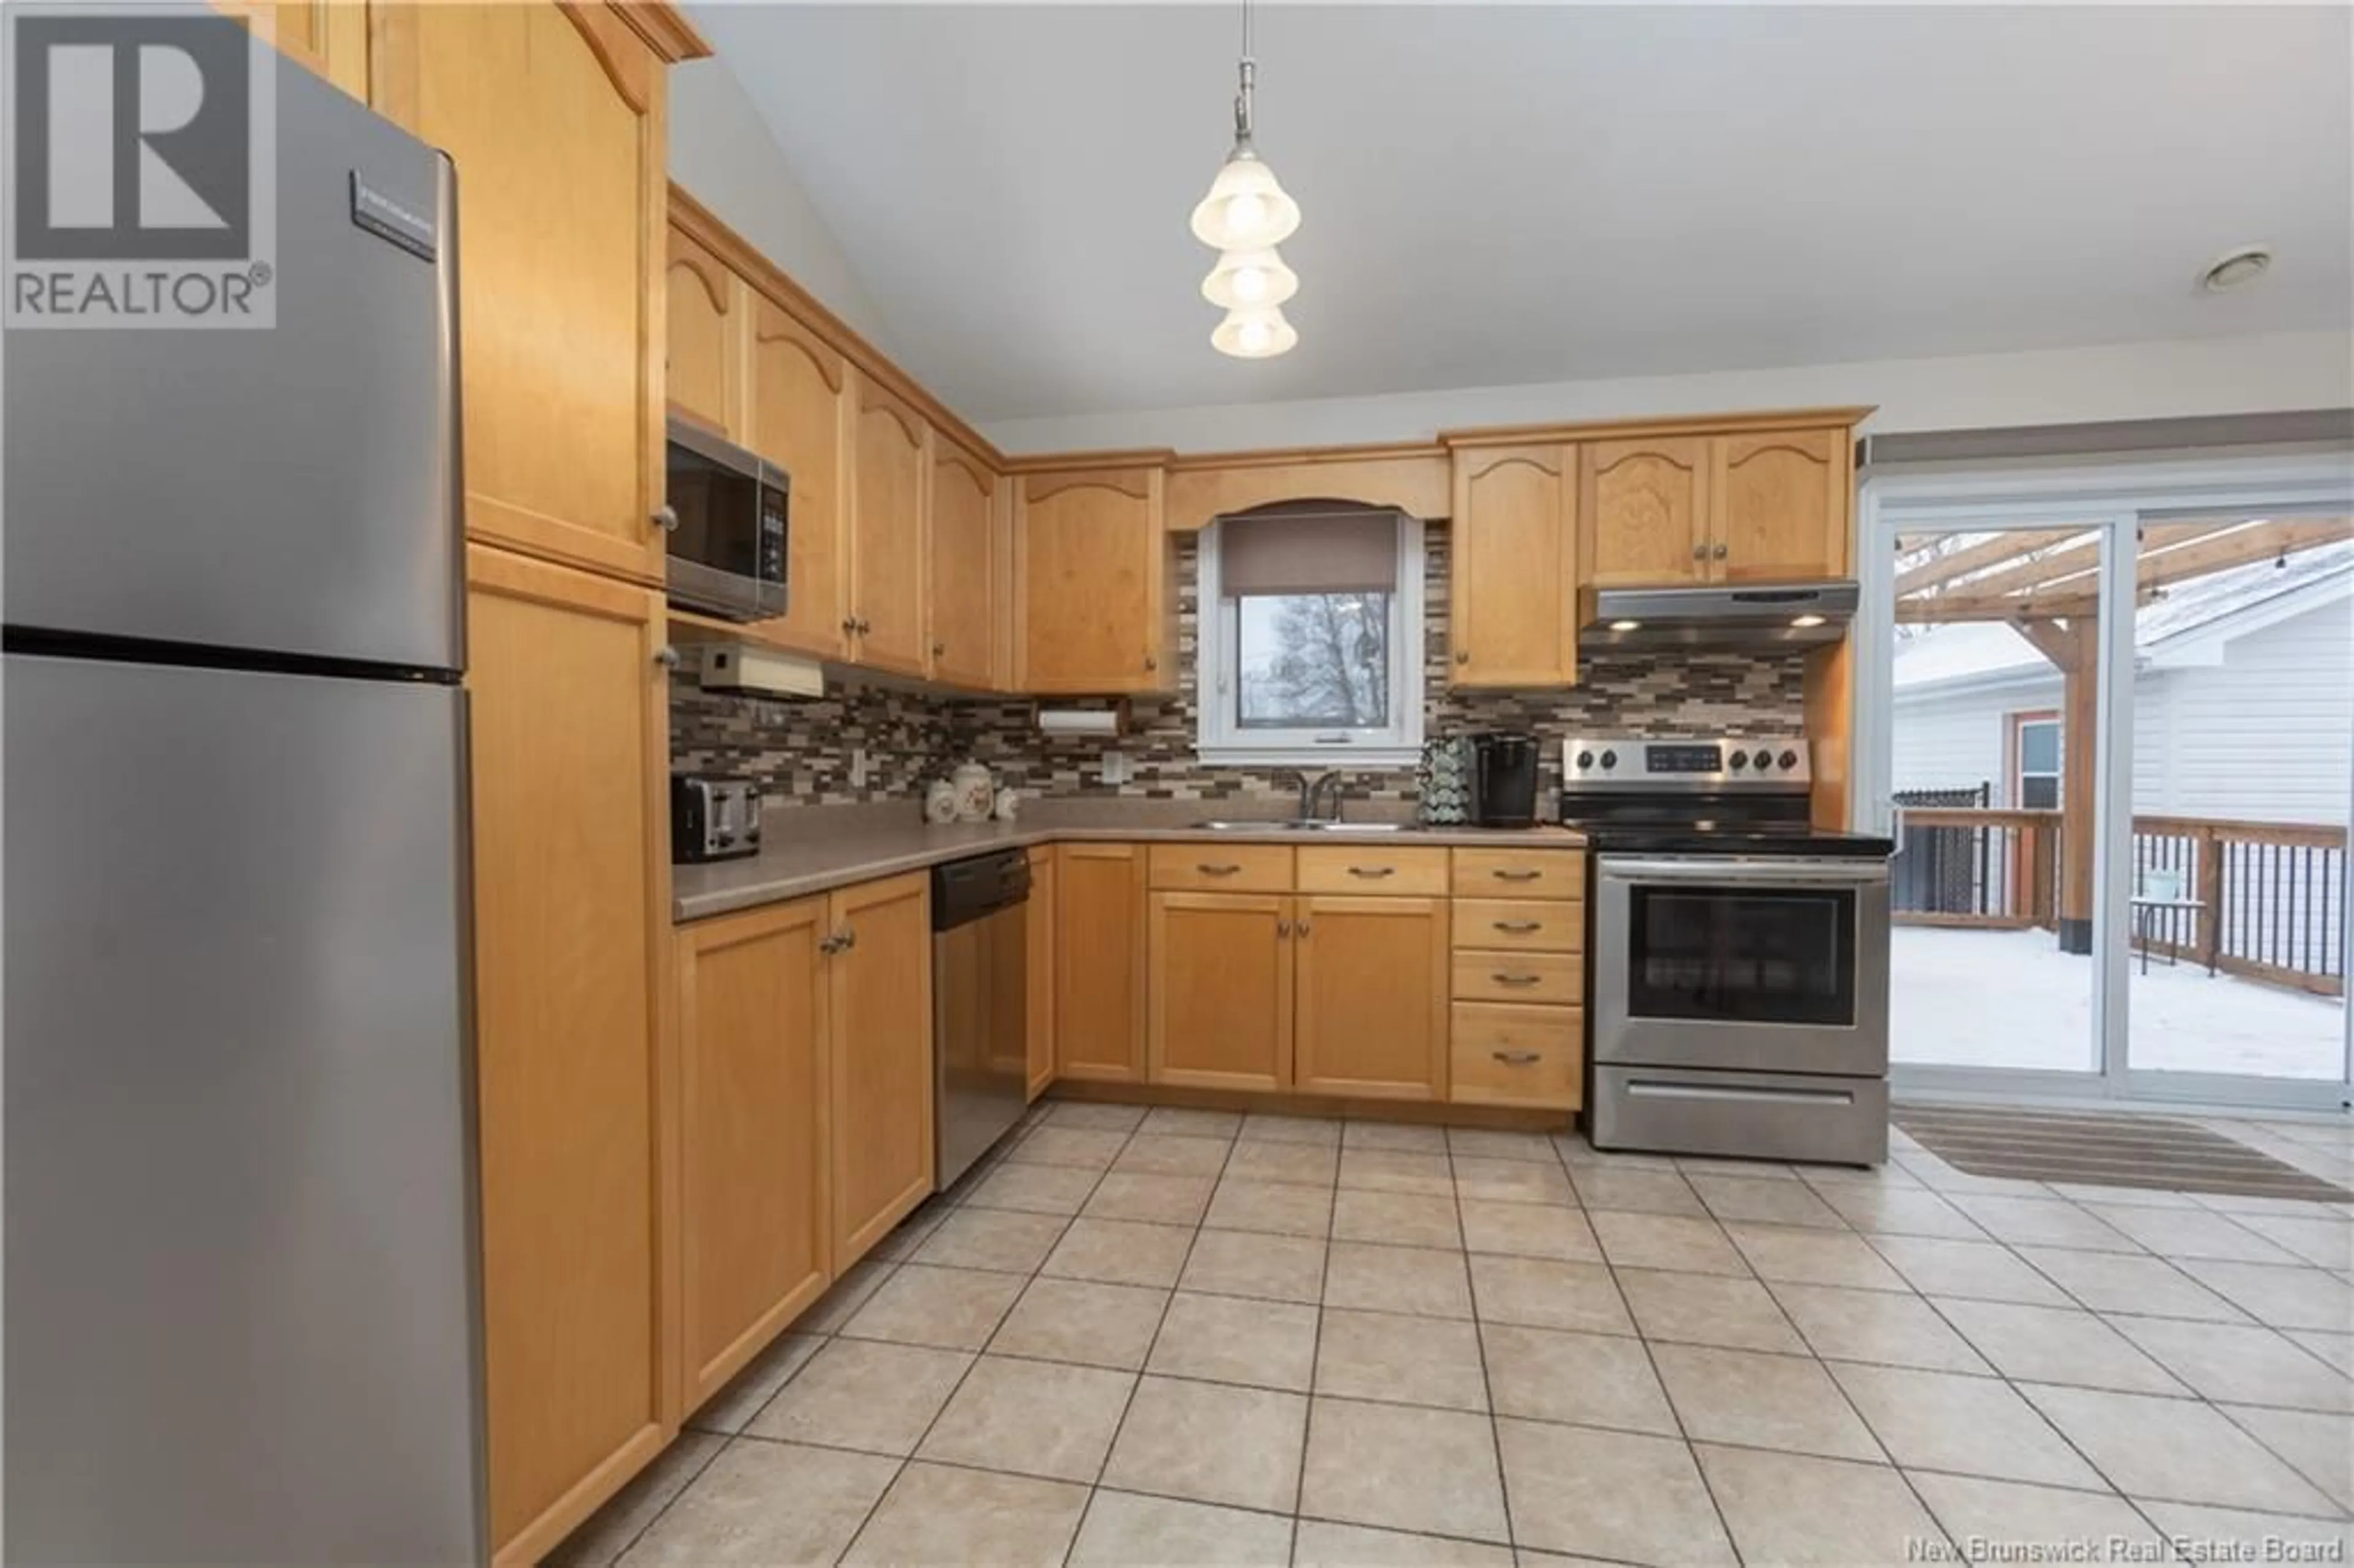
[1219, 739]
[2020, 773]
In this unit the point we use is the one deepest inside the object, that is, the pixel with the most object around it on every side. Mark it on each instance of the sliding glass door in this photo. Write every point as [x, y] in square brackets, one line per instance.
[2106, 715]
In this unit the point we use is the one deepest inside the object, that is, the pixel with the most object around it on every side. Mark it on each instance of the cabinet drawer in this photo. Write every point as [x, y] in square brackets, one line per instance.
[1214, 868]
[1348, 868]
[1520, 873]
[1508, 1055]
[1557, 978]
[1521, 926]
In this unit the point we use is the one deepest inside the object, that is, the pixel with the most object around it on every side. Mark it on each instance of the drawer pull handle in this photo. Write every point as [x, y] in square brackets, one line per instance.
[1503, 876]
[1517, 1058]
[1373, 871]
[1500, 978]
[1520, 927]
[1226, 868]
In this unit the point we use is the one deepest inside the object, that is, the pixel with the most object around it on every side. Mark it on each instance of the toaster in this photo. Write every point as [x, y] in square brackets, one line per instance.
[712, 818]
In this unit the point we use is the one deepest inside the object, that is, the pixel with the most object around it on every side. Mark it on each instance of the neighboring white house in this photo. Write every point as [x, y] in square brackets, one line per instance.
[2244, 701]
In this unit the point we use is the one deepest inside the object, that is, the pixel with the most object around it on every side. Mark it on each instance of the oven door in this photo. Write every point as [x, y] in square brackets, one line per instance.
[727, 511]
[1754, 963]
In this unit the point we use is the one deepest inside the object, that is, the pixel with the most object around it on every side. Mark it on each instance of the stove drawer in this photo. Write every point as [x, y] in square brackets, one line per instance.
[1521, 926]
[1754, 1116]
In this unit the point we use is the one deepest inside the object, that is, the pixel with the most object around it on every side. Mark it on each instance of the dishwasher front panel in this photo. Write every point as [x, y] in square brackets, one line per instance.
[981, 1035]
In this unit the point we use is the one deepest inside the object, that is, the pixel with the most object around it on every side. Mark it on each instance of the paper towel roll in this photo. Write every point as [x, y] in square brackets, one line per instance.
[1078, 721]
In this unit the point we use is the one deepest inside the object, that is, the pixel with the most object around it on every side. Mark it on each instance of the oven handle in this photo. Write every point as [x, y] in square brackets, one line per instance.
[1649, 1089]
[1763, 869]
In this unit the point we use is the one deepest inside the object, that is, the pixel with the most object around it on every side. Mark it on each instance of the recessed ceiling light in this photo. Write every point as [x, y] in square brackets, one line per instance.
[2242, 265]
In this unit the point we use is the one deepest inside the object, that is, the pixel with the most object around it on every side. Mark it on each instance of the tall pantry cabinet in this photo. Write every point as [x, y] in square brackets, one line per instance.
[554, 115]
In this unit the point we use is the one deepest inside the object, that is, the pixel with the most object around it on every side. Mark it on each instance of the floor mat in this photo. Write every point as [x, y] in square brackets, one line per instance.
[2105, 1150]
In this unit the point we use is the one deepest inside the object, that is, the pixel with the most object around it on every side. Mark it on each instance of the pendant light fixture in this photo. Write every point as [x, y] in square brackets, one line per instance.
[1246, 215]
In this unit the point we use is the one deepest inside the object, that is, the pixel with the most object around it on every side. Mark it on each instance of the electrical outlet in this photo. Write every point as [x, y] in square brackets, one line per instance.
[1115, 768]
[858, 768]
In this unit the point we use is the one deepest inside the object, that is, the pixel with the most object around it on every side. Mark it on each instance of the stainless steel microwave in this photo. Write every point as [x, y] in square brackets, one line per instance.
[727, 512]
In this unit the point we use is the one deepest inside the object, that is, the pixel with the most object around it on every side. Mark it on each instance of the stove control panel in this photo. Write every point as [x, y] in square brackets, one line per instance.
[1622, 762]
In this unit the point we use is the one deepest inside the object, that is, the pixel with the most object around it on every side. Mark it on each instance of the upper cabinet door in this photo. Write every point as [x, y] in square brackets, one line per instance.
[705, 321]
[800, 420]
[1091, 576]
[1645, 512]
[1511, 613]
[963, 565]
[1781, 501]
[328, 38]
[893, 443]
[554, 115]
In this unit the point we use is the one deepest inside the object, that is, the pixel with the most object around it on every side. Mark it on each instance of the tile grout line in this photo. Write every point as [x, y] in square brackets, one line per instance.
[1316, 1337]
[908, 1460]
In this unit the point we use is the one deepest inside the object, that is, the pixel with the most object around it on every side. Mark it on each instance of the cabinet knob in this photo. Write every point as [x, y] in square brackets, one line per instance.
[1303, 930]
[939, 649]
[1719, 551]
[864, 626]
[1282, 929]
[666, 518]
[1700, 552]
[1516, 1058]
[1463, 655]
[666, 656]
[1150, 662]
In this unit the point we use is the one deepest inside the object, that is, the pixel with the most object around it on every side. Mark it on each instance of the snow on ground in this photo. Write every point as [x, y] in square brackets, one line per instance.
[2012, 999]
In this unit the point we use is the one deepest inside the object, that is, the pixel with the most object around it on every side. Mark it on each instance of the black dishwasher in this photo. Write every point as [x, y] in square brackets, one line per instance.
[980, 978]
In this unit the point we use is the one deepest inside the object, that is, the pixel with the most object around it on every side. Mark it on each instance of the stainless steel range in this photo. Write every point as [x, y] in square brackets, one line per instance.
[1739, 956]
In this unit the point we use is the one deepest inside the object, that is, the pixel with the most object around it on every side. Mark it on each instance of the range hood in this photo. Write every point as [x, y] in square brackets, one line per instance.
[1724, 615]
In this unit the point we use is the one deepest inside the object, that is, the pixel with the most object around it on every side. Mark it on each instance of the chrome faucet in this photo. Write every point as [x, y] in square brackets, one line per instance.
[1318, 790]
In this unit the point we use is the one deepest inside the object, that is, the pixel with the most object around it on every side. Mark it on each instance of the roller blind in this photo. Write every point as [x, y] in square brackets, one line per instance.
[1324, 550]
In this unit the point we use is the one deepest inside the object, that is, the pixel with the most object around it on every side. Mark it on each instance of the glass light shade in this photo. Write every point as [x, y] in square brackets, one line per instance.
[1255, 334]
[1250, 281]
[1246, 209]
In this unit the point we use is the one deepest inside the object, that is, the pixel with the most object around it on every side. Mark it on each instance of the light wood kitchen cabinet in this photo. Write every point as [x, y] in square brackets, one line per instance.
[880, 1065]
[1764, 505]
[800, 420]
[1100, 963]
[1038, 938]
[891, 455]
[1090, 582]
[1370, 982]
[1511, 610]
[1643, 510]
[753, 990]
[554, 116]
[1512, 1055]
[1221, 988]
[706, 310]
[962, 566]
[1780, 502]
[570, 739]
[328, 38]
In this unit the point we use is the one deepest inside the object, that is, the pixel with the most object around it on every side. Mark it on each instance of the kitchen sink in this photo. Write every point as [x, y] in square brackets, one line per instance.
[1295, 825]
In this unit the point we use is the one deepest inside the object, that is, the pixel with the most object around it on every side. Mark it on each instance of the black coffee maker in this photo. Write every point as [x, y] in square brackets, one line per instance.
[1504, 780]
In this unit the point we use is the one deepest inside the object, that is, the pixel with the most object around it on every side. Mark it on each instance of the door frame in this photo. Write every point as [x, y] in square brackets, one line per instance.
[2113, 498]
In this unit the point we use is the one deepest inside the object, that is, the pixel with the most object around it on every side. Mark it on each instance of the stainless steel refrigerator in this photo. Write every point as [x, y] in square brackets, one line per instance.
[242, 1315]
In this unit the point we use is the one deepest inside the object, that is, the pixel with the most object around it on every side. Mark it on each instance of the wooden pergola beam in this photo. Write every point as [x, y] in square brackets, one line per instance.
[1936, 609]
[2241, 545]
[2082, 560]
[2008, 545]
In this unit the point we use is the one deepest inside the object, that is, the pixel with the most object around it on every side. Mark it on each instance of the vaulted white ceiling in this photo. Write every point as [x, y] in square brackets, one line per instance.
[1498, 194]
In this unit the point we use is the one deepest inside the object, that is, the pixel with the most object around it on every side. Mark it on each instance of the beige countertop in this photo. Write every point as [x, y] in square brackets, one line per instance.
[812, 849]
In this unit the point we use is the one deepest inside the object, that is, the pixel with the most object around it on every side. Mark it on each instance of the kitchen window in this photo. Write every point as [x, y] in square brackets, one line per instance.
[1310, 649]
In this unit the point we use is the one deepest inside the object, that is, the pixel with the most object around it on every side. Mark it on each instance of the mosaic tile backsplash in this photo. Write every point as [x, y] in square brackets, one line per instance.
[803, 752]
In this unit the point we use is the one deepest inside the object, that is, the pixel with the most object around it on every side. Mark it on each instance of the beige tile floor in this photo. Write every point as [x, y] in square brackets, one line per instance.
[1184, 1337]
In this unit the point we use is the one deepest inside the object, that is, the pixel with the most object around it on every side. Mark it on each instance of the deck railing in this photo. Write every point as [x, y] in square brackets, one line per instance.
[2263, 900]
